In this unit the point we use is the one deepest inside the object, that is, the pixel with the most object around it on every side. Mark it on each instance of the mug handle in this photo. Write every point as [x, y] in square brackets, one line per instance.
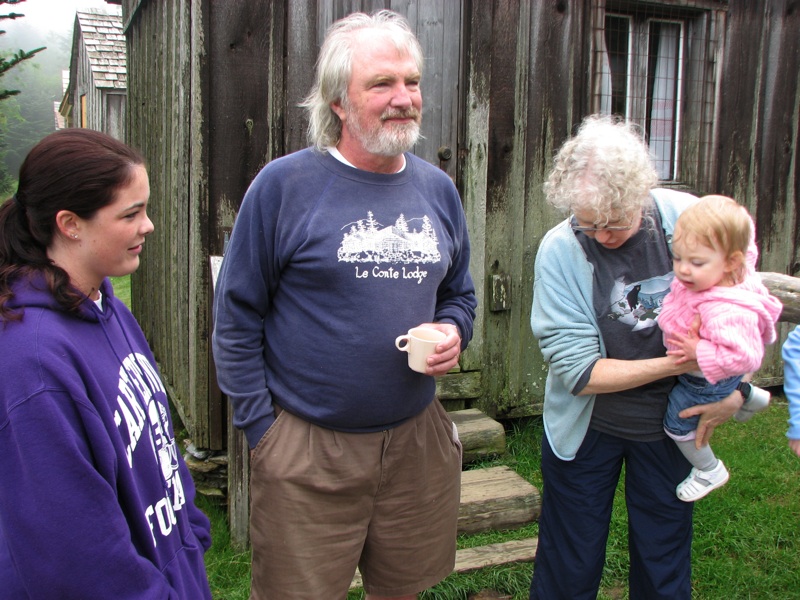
[399, 340]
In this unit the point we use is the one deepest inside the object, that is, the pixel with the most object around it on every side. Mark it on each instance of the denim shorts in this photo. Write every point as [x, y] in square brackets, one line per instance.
[691, 390]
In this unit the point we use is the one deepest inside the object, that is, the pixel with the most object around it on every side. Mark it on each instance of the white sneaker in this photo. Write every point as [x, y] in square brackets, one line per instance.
[700, 483]
[756, 400]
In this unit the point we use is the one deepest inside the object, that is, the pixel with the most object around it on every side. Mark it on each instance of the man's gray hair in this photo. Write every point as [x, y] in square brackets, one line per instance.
[335, 66]
[605, 168]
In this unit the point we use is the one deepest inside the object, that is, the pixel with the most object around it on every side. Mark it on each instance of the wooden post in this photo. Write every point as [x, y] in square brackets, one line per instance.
[238, 459]
[786, 289]
[238, 488]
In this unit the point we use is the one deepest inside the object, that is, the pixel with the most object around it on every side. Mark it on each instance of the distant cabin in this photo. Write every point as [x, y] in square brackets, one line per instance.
[96, 95]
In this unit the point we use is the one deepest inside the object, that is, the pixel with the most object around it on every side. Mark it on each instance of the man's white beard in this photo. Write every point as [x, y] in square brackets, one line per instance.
[382, 141]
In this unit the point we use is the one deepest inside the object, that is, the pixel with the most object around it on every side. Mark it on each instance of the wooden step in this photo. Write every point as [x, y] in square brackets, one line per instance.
[514, 551]
[496, 498]
[471, 559]
[480, 435]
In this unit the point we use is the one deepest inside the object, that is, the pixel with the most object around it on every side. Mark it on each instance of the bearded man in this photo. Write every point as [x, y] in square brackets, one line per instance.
[336, 251]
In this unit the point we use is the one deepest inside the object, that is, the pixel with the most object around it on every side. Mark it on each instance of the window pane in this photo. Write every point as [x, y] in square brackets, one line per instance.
[653, 63]
[615, 88]
[663, 81]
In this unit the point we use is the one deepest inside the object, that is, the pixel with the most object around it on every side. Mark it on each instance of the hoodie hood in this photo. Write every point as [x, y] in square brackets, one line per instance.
[750, 296]
[32, 292]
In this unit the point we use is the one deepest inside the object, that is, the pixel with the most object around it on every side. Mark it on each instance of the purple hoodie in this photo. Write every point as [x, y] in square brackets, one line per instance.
[95, 499]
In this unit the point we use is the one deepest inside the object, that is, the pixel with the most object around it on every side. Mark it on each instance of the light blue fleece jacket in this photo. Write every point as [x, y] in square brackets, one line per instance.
[791, 381]
[563, 321]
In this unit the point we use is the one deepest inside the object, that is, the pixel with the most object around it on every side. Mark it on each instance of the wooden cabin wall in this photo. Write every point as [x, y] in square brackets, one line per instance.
[166, 54]
[84, 87]
[526, 84]
[243, 86]
[113, 109]
[759, 127]
[530, 85]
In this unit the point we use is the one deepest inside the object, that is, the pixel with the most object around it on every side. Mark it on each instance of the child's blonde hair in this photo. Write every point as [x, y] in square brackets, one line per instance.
[720, 223]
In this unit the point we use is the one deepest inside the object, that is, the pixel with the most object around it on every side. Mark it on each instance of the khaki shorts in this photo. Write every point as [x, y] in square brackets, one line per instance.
[324, 502]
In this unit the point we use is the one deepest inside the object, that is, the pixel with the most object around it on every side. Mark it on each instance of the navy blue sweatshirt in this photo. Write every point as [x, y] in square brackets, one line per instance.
[325, 267]
[95, 499]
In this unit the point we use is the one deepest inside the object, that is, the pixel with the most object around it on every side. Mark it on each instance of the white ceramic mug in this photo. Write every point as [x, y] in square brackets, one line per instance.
[419, 343]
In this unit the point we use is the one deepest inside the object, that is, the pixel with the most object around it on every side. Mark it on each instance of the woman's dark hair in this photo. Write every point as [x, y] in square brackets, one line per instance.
[79, 170]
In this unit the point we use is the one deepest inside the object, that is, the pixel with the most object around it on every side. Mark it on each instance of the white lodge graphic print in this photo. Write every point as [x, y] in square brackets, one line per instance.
[370, 242]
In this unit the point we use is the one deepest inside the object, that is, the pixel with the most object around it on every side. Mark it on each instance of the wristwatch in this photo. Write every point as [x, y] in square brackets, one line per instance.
[745, 388]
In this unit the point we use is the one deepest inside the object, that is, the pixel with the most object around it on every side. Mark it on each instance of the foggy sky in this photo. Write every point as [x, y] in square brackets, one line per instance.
[52, 15]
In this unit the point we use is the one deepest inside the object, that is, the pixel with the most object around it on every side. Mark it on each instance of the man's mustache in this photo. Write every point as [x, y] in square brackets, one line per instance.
[411, 113]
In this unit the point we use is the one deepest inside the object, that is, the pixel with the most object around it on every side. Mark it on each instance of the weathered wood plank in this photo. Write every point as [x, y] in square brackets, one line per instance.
[758, 138]
[473, 163]
[786, 289]
[163, 298]
[302, 45]
[471, 559]
[480, 435]
[238, 487]
[459, 385]
[496, 498]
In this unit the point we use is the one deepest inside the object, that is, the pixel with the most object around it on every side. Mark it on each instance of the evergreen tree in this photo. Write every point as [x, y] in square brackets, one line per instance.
[9, 62]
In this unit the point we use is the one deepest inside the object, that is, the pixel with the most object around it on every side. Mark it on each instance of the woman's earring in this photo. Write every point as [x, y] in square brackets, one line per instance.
[74, 236]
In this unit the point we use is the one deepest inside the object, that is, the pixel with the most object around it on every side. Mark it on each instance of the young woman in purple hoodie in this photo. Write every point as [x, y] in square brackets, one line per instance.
[95, 499]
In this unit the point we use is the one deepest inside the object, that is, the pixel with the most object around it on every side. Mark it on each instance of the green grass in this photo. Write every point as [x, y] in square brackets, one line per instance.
[122, 288]
[746, 543]
[228, 569]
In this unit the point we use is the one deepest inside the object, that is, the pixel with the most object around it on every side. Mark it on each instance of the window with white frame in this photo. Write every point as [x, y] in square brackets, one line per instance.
[654, 65]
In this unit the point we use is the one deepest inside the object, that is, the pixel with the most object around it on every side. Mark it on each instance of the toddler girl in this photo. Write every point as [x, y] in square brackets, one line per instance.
[714, 257]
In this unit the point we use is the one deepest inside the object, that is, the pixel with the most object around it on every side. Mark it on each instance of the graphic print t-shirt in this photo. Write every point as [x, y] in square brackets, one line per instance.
[630, 284]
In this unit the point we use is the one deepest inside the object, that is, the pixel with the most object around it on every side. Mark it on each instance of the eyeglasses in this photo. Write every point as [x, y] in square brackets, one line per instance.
[575, 227]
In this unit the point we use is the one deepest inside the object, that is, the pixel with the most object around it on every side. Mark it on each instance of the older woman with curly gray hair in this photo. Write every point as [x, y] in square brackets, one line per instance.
[600, 278]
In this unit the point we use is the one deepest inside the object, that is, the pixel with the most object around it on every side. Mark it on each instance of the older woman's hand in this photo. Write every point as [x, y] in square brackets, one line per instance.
[712, 415]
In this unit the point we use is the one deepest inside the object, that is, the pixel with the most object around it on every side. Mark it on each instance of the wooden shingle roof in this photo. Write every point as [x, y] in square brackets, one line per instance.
[102, 36]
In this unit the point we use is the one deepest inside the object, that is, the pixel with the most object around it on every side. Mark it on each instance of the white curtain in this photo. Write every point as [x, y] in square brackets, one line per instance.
[605, 77]
[663, 113]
